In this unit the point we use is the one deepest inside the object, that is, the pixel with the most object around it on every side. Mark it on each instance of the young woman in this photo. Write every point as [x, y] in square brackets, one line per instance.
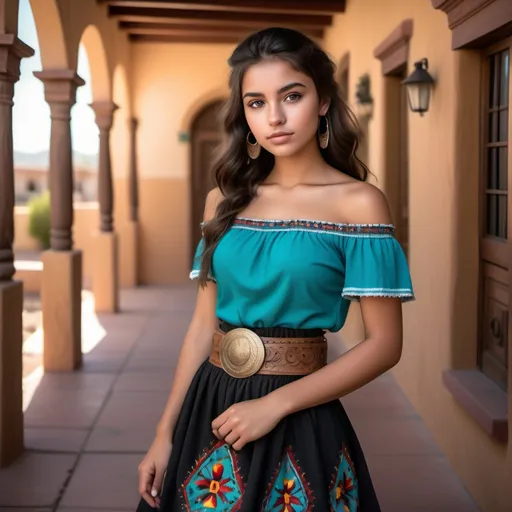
[290, 236]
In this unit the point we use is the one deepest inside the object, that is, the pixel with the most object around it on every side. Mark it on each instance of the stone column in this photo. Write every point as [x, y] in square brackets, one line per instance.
[12, 50]
[105, 277]
[61, 285]
[129, 263]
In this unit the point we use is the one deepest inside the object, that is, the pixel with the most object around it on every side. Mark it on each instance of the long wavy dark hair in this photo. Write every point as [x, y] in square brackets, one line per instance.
[237, 176]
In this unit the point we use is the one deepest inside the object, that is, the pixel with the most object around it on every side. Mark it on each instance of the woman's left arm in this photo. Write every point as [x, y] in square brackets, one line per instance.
[378, 352]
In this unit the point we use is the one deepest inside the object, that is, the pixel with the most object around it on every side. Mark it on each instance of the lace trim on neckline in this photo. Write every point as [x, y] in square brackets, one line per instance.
[315, 225]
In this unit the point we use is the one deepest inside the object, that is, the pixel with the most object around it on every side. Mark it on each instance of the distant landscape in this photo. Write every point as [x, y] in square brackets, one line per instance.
[40, 160]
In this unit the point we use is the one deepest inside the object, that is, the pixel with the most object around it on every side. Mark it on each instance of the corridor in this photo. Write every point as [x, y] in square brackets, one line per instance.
[87, 431]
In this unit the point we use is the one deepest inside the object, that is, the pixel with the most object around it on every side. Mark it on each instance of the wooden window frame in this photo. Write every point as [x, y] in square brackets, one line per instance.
[480, 396]
[496, 252]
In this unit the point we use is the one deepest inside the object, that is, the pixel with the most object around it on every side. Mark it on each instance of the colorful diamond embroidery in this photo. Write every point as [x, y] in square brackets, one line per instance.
[215, 481]
[344, 489]
[288, 491]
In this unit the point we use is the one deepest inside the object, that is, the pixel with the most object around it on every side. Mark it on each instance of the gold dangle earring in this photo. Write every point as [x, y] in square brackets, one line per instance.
[253, 148]
[323, 137]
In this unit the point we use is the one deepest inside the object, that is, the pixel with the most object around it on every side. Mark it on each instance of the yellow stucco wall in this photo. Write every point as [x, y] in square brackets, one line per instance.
[86, 224]
[170, 84]
[483, 465]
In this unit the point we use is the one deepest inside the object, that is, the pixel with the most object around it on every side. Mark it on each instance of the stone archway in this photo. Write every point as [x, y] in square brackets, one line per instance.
[52, 43]
[100, 78]
[205, 138]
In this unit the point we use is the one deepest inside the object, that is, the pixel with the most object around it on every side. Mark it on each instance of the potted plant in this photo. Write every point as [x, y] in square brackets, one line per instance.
[39, 219]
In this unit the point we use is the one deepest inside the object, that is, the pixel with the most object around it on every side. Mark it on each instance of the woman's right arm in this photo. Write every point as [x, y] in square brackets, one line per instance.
[195, 349]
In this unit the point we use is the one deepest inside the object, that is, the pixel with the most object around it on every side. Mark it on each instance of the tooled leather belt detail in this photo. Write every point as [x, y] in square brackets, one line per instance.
[242, 353]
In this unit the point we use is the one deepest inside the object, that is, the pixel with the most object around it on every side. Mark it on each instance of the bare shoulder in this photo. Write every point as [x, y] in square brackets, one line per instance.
[213, 199]
[364, 203]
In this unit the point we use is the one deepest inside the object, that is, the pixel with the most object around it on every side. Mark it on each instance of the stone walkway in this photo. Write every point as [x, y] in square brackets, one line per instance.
[86, 432]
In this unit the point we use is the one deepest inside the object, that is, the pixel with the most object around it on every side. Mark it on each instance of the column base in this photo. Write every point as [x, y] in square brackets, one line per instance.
[129, 255]
[11, 393]
[61, 294]
[104, 281]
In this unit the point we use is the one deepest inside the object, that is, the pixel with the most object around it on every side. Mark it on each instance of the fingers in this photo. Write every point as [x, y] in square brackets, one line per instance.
[220, 420]
[157, 485]
[224, 430]
[238, 445]
[146, 477]
[231, 438]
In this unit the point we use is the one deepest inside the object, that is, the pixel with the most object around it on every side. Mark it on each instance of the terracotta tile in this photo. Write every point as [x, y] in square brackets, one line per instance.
[169, 351]
[382, 398]
[75, 380]
[35, 479]
[58, 408]
[97, 364]
[149, 362]
[133, 410]
[150, 381]
[56, 440]
[394, 436]
[403, 482]
[127, 440]
[104, 481]
[145, 366]
[122, 322]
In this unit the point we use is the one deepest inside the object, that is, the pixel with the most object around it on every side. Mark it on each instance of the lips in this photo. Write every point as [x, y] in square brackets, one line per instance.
[280, 138]
[278, 135]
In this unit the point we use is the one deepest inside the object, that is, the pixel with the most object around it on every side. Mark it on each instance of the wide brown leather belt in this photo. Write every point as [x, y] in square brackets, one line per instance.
[242, 353]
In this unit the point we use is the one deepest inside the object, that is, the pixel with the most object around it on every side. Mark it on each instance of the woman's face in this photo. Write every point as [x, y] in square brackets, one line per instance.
[281, 106]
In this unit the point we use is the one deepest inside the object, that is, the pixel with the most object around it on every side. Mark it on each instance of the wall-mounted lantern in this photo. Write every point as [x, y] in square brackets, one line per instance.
[364, 100]
[419, 84]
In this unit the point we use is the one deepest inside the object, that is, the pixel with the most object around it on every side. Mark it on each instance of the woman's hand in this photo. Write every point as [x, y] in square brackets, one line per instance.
[152, 469]
[247, 421]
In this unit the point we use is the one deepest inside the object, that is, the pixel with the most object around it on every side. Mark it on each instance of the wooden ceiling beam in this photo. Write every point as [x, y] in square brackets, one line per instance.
[276, 6]
[196, 39]
[214, 30]
[187, 16]
[215, 23]
[185, 39]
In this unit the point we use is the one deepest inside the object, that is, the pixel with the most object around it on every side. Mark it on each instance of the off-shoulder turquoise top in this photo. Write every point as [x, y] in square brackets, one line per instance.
[301, 273]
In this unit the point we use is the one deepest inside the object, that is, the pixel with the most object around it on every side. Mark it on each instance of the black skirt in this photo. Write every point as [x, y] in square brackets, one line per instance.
[311, 461]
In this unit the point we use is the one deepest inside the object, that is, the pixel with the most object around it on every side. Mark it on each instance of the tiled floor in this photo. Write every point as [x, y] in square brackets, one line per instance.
[86, 432]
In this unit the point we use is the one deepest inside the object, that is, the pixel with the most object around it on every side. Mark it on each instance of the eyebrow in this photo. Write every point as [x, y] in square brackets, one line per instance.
[283, 89]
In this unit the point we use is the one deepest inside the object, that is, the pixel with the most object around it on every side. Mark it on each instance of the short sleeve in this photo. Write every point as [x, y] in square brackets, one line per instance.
[376, 266]
[196, 263]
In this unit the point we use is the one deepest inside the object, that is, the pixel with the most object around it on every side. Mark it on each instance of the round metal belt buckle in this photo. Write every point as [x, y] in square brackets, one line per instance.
[242, 353]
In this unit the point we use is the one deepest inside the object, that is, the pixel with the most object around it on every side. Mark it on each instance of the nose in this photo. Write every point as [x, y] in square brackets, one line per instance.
[276, 115]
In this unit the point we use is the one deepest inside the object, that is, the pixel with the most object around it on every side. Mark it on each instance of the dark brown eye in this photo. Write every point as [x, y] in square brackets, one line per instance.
[293, 97]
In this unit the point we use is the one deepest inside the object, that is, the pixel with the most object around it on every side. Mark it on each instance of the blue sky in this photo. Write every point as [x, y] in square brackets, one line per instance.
[31, 114]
